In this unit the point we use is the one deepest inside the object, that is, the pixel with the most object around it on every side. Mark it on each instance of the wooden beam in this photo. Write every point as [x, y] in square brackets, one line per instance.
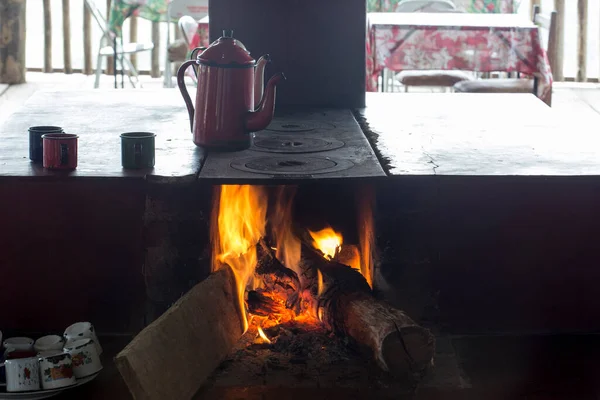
[87, 41]
[133, 35]
[557, 72]
[109, 59]
[66, 22]
[47, 36]
[582, 19]
[155, 70]
[12, 50]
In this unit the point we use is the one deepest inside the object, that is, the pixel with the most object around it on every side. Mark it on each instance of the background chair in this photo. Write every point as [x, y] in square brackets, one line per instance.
[196, 9]
[439, 78]
[526, 85]
[110, 47]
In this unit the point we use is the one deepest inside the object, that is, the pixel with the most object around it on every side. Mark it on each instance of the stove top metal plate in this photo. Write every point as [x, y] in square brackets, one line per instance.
[295, 126]
[297, 144]
[290, 165]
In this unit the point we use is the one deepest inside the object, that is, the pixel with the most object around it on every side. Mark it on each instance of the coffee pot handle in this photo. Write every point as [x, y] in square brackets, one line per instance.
[183, 90]
[194, 55]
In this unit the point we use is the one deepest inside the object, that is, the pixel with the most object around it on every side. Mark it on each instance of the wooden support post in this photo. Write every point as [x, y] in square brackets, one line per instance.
[559, 6]
[47, 37]
[155, 70]
[87, 41]
[133, 33]
[110, 59]
[12, 41]
[533, 4]
[582, 19]
[68, 68]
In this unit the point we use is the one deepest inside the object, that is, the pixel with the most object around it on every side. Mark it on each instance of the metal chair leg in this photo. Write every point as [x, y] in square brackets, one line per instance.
[133, 72]
[98, 65]
[168, 78]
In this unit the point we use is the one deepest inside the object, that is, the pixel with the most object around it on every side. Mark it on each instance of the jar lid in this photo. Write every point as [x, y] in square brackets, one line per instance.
[227, 52]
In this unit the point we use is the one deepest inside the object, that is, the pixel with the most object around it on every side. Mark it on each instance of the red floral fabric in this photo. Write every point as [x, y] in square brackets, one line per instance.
[476, 48]
[201, 38]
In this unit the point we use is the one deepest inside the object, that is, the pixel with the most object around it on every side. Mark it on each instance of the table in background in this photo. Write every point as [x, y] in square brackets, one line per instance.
[476, 6]
[459, 41]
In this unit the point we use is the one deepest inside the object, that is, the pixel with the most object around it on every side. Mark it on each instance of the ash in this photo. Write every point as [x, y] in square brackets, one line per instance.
[301, 354]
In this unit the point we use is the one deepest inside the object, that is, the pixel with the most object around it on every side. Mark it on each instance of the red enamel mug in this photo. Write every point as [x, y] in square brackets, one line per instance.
[60, 151]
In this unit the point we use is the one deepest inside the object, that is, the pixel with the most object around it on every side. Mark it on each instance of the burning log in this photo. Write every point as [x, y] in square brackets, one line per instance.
[277, 279]
[263, 305]
[342, 300]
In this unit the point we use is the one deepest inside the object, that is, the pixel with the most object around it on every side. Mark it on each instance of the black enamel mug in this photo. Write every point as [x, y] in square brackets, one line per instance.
[36, 146]
[137, 150]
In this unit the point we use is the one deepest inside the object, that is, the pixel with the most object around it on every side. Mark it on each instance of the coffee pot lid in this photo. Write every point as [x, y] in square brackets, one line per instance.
[228, 52]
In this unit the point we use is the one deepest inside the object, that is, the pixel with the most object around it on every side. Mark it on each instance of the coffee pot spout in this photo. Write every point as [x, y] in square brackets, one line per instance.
[262, 116]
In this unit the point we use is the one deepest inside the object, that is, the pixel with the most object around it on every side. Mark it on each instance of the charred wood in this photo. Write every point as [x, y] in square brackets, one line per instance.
[275, 277]
[345, 305]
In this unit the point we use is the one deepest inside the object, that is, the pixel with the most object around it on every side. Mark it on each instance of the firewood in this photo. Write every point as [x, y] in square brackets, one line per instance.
[263, 305]
[171, 358]
[276, 278]
[347, 307]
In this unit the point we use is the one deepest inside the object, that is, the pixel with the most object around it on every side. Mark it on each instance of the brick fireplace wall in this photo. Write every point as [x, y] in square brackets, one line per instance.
[319, 45]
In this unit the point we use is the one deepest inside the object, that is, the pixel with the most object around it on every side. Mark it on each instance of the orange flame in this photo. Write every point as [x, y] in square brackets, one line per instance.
[350, 255]
[287, 248]
[262, 335]
[241, 219]
[320, 287]
[328, 241]
[366, 232]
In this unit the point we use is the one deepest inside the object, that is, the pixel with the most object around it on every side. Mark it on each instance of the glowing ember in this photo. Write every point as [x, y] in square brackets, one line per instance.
[262, 335]
[241, 223]
[328, 241]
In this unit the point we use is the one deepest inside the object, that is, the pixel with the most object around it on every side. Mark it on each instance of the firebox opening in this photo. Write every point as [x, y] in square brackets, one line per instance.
[262, 232]
[304, 270]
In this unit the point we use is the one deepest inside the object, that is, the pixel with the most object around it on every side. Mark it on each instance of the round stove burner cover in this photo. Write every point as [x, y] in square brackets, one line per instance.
[291, 165]
[289, 126]
[297, 144]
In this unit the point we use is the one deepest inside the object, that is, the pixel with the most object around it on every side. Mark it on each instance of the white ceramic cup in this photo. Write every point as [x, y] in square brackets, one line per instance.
[86, 360]
[56, 367]
[82, 330]
[50, 342]
[22, 374]
[19, 343]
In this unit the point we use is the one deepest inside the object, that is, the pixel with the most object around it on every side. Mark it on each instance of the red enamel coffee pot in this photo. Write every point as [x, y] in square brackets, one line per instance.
[225, 111]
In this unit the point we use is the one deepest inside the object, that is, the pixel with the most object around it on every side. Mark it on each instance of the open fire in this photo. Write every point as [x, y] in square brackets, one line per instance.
[289, 299]
[241, 222]
[290, 278]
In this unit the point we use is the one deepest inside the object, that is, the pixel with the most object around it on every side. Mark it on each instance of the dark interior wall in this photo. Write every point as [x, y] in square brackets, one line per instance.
[319, 45]
[71, 251]
[462, 255]
[476, 255]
